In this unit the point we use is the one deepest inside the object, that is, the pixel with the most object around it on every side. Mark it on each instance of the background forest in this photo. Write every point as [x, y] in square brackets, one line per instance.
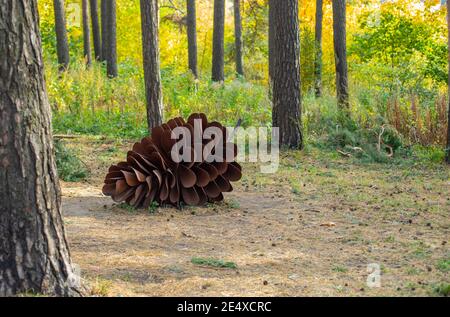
[397, 55]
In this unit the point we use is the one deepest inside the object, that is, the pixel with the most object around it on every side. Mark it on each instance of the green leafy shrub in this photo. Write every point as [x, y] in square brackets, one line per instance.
[70, 167]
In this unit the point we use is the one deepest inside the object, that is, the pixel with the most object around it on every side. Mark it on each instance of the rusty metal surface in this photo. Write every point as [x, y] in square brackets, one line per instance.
[151, 175]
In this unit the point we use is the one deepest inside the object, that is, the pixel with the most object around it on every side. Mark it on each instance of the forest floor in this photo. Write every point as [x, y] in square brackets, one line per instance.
[311, 229]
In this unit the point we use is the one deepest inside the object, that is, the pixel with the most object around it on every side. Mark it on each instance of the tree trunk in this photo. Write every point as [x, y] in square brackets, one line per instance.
[286, 73]
[192, 36]
[218, 39]
[96, 29]
[86, 33]
[238, 37]
[62, 44]
[34, 254]
[150, 49]
[104, 19]
[271, 37]
[340, 53]
[318, 50]
[447, 155]
[111, 25]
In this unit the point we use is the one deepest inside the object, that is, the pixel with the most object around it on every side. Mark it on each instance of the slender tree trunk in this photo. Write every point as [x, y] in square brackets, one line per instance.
[218, 41]
[286, 73]
[103, 11]
[34, 254]
[111, 25]
[86, 33]
[96, 29]
[238, 38]
[62, 44]
[150, 49]
[271, 37]
[192, 36]
[447, 155]
[340, 53]
[318, 50]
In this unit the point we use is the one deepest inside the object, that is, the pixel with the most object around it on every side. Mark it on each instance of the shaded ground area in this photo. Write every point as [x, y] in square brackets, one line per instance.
[310, 229]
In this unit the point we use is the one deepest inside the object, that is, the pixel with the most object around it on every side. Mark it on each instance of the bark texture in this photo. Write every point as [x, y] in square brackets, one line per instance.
[286, 112]
[150, 49]
[271, 37]
[111, 25]
[318, 49]
[238, 38]
[192, 36]
[218, 41]
[96, 29]
[104, 30]
[34, 254]
[86, 32]
[340, 53]
[62, 44]
[447, 155]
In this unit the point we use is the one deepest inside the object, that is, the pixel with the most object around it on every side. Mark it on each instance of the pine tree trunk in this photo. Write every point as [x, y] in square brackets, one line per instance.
[150, 49]
[340, 53]
[271, 37]
[218, 41]
[34, 254]
[96, 29]
[111, 25]
[192, 36]
[447, 155]
[238, 37]
[104, 19]
[286, 73]
[62, 44]
[86, 33]
[318, 49]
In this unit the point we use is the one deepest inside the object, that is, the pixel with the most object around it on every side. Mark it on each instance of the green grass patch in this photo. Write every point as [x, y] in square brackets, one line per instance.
[70, 167]
[213, 263]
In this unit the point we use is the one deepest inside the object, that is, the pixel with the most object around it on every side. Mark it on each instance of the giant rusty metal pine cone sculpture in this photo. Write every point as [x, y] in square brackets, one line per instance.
[151, 175]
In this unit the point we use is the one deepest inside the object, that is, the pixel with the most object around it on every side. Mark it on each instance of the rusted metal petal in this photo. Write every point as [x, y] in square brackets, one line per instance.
[202, 176]
[211, 170]
[233, 173]
[109, 189]
[212, 190]
[130, 178]
[190, 196]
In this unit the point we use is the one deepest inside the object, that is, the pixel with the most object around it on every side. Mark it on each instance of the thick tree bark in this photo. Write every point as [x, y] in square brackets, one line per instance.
[318, 49]
[96, 29]
[104, 19]
[111, 25]
[218, 41]
[286, 113]
[86, 33]
[150, 49]
[238, 38]
[447, 156]
[192, 36]
[34, 254]
[340, 53]
[62, 44]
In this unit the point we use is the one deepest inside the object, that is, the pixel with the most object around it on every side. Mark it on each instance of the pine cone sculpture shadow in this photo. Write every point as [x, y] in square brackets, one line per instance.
[150, 174]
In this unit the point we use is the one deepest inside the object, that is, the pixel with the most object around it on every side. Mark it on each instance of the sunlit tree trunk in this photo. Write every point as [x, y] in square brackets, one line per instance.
[104, 31]
[340, 53]
[62, 44]
[318, 50]
[96, 29]
[34, 254]
[238, 38]
[150, 49]
[447, 155]
[286, 113]
[192, 36]
[218, 41]
[111, 25]
[86, 33]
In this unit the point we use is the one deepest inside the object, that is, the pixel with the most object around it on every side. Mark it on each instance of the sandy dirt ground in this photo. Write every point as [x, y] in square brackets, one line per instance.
[311, 229]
